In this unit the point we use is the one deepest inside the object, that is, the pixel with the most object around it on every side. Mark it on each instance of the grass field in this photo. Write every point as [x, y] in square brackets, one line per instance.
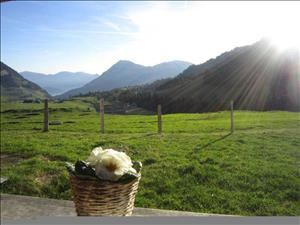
[195, 165]
[78, 103]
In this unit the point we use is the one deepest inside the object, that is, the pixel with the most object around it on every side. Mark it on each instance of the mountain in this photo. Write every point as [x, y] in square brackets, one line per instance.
[60, 82]
[15, 87]
[255, 77]
[125, 73]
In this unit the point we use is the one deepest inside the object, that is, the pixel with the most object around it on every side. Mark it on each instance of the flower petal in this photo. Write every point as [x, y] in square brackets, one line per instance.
[110, 164]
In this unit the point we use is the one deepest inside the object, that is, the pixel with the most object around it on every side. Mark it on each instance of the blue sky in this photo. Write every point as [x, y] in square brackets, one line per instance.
[49, 37]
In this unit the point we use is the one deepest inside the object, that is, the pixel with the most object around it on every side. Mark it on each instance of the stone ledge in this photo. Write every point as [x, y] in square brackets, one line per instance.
[27, 207]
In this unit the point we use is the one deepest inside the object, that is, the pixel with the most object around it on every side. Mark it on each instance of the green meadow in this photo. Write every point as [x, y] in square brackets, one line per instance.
[194, 165]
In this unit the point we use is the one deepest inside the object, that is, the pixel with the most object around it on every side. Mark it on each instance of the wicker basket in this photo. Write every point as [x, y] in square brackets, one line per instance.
[103, 198]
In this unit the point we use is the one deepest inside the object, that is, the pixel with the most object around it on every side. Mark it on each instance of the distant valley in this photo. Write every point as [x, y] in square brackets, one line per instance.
[61, 82]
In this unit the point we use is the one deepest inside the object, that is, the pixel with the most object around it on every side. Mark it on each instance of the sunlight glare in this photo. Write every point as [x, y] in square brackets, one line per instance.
[285, 42]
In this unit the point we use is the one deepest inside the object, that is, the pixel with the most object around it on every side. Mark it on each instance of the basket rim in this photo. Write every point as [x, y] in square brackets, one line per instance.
[98, 180]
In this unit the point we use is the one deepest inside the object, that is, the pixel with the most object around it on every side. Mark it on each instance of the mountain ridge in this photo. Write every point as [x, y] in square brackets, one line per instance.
[125, 73]
[256, 77]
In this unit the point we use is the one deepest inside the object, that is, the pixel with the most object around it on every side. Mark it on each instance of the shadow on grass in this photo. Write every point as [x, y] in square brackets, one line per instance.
[212, 142]
[140, 136]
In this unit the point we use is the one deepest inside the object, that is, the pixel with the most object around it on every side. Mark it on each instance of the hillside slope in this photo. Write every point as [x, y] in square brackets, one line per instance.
[126, 73]
[15, 87]
[256, 77]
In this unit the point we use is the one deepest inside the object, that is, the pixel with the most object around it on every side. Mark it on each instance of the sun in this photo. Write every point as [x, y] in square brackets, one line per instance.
[286, 41]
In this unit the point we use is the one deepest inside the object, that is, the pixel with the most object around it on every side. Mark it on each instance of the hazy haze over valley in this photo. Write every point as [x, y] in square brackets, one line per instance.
[61, 82]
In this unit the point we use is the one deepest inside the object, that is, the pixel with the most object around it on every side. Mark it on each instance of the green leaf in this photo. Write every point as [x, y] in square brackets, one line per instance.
[70, 167]
[137, 166]
[128, 177]
[82, 168]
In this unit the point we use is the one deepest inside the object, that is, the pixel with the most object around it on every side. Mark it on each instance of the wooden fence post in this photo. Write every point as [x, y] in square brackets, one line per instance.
[159, 121]
[102, 115]
[46, 116]
[231, 117]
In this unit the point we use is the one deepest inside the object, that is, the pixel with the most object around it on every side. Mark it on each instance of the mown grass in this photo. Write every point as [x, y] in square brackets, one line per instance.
[195, 165]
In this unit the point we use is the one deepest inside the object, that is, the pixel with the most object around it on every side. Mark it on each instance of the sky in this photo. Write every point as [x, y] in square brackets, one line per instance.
[49, 37]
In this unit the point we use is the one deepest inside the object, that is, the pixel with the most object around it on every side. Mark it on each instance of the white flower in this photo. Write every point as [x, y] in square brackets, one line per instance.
[93, 158]
[110, 164]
